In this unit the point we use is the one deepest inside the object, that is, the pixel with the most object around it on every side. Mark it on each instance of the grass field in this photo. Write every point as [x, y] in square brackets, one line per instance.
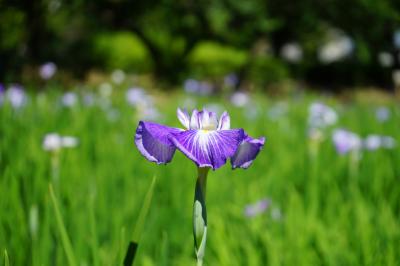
[324, 208]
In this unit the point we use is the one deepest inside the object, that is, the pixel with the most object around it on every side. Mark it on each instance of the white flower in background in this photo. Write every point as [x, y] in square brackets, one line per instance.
[346, 141]
[240, 99]
[382, 114]
[188, 103]
[137, 96]
[276, 214]
[105, 89]
[54, 142]
[385, 59]
[16, 96]
[321, 115]
[373, 142]
[69, 99]
[118, 76]
[338, 47]
[47, 70]
[292, 52]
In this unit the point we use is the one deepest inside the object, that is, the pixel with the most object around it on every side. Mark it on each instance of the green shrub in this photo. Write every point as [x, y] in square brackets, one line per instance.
[210, 59]
[122, 50]
[264, 70]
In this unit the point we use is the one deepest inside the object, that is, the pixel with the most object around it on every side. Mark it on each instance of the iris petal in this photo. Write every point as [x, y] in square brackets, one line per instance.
[183, 117]
[224, 121]
[153, 143]
[247, 152]
[208, 148]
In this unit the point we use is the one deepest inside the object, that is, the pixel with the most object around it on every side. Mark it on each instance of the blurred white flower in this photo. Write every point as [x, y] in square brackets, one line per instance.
[69, 99]
[385, 59]
[47, 70]
[54, 142]
[118, 76]
[276, 214]
[396, 77]
[16, 96]
[373, 142]
[137, 96]
[292, 52]
[240, 99]
[105, 89]
[321, 115]
[382, 114]
[346, 141]
[338, 47]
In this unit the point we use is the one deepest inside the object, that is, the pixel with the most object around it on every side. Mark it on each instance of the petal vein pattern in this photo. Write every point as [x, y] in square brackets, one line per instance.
[208, 148]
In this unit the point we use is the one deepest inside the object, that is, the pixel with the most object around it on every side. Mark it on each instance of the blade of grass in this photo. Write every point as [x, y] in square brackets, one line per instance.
[63, 232]
[6, 260]
[131, 251]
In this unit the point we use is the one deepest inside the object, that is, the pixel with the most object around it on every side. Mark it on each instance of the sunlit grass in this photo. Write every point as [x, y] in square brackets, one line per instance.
[321, 211]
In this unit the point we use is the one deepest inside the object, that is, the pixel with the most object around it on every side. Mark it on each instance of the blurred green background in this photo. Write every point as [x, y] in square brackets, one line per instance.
[332, 44]
[319, 79]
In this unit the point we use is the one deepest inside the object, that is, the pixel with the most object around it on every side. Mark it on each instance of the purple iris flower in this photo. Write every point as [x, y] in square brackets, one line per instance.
[346, 141]
[207, 141]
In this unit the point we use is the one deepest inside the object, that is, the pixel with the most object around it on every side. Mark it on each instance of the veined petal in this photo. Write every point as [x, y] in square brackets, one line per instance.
[224, 122]
[247, 152]
[195, 120]
[184, 117]
[153, 142]
[208, 148]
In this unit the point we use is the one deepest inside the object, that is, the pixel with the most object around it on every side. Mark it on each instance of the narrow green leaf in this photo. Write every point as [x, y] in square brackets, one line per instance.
[63, 232]
[143, 212]
[6, 260]
[133, 245]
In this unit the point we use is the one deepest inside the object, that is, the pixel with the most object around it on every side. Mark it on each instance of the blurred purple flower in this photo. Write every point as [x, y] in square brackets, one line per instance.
[231, 80]
[382, 114]
[2, 93]
[16, 96]
[240, 99]
[257, 208]
[193, 86]
[346, 141]
[47, 70]
[137, 96]
[69, 99]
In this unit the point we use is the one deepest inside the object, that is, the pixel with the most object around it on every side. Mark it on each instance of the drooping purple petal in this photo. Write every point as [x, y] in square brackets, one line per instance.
[247, 152]
[183, 117]
[224, 121]
[208, 148]
[153, 142]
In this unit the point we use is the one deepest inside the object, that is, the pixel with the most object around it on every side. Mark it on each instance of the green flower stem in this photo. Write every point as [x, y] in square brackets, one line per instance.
[200, 215]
